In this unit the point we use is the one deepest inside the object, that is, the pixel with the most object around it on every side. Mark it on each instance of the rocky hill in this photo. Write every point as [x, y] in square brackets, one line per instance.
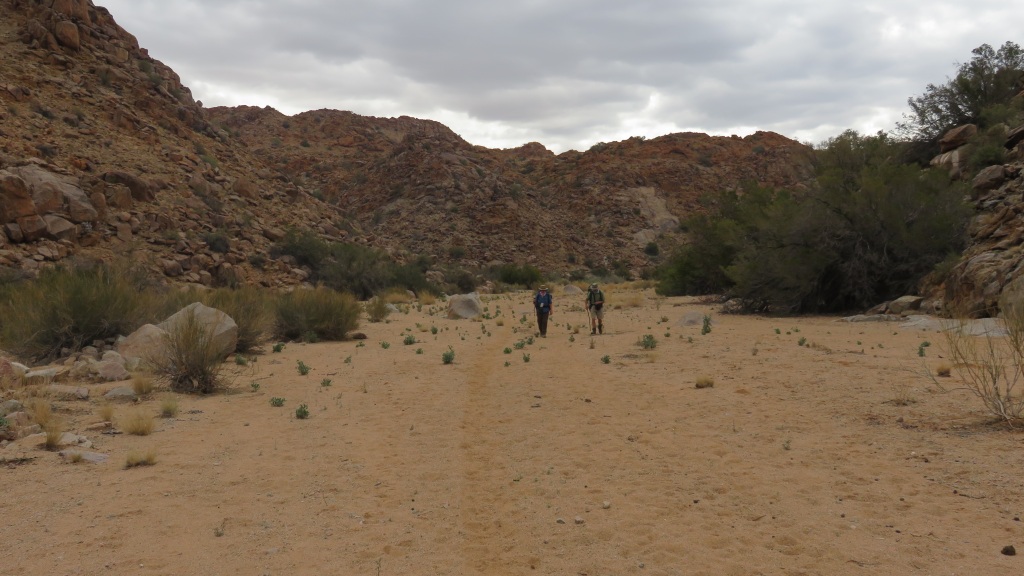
[105, 152]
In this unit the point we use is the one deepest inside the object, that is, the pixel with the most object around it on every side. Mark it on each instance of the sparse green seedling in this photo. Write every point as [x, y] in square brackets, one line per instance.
[278, 347]
[448, 356]
[277, 402]
[433, 330]
[325, 383]
[507, 363]
[508, 350]
[705, 382]
[348, 359]
[572, 338]
[409, 340]
[520, 345]
[302, 412]
[419, 350]
[920, 351]
[303, 367]
[240, 360]
[360, 344]
[648, 342]
[526, 357]
[777, 331]
[664, 318]
[385, 344]
[606, 359]
[801, 341]
[706, 328]
[255, 386]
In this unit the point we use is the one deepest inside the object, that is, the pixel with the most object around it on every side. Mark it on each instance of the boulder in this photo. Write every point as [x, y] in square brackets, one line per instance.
[905, 304]
[465, 306]
[67, 34]
[141, 190]
[144, 343]
[121, 393]
[52, 192]
[15, 198]
[111, 371]
[691, 319]
[59, 228]
[68, 392]
[1014, 137]
[989, 178]
[572, 290]
[957, 137]
[91, 457]
[31, 228]
[222, 328]
[42, 376]
[10, 406]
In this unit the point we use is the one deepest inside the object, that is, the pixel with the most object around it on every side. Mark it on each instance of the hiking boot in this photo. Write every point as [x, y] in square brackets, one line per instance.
[592, 331]
[600, 328]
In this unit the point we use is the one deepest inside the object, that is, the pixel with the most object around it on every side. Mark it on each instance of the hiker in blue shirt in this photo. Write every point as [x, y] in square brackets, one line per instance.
[544, 305]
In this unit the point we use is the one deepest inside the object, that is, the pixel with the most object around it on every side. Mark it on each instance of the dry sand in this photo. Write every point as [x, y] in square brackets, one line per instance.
[796, 461]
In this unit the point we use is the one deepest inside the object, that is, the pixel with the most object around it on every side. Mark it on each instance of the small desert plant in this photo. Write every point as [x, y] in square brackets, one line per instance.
[448, 356]
[526, 357]
[377, 309]
[138, 423]
[142, 384]
[409, 340]
[706, 328]
[302, 412]
[385, 344]
[325, 383]
[328, 314]
[278, 347]
[302, 367]
[705, 382]
[53, 430]
[508, 350]
[190, 360]
[169, 406]
[648, 342]
[943, 370]
[277, 402]
[76, 458]
[240, 360]
[433, 330]
[138, 458]
[902, 395]
[801, 341]
[105, 412]
[991, 367]
[606, 359]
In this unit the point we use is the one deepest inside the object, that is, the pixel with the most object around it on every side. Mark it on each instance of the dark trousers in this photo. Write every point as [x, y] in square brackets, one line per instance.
[542, 322]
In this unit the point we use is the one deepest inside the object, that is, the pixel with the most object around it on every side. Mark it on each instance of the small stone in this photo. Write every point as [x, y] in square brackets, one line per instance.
[606, 505]
[1009, 551]
[560, 521]
[578, 520]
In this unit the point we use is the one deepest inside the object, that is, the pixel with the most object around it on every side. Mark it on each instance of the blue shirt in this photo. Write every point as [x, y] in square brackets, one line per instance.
[542, 302]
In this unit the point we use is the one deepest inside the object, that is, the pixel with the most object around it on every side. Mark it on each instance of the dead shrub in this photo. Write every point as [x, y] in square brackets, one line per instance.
[705, 382]
[139, 458]
[190, 362]
[138, 423]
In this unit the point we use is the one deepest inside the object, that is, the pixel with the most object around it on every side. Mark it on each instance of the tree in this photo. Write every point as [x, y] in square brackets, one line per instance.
[991, 78]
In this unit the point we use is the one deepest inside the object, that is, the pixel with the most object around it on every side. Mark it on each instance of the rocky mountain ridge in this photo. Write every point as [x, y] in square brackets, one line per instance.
[105, 152]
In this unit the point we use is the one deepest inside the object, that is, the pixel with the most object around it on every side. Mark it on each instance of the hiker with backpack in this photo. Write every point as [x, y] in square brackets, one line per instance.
[543, 303]
[595, 308]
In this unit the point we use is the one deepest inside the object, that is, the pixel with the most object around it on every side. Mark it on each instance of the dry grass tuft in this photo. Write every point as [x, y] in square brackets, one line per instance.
[705, 382]
[943, 370]
[142, 384]
[54, 431]
[169, 406]
[105, 412]
[139, 458]
[138, 423]
[427, 299]
[397, 296]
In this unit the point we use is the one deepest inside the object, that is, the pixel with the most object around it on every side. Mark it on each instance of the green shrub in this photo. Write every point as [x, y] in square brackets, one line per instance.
[377, 309]
[448, 356]
[648, 342]
[302, 412]
[302, 367]
[606, 359]
[190, 362]
[250, 307]
[277, 401]
[516, 274]
[217, 241]
[327, 314]
[71, 307]
[409, 340]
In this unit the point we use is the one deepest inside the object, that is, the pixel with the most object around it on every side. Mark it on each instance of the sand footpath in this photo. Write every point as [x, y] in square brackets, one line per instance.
[570, 455]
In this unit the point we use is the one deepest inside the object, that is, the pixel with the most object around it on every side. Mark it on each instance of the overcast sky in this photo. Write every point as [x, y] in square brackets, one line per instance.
[571, 73]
